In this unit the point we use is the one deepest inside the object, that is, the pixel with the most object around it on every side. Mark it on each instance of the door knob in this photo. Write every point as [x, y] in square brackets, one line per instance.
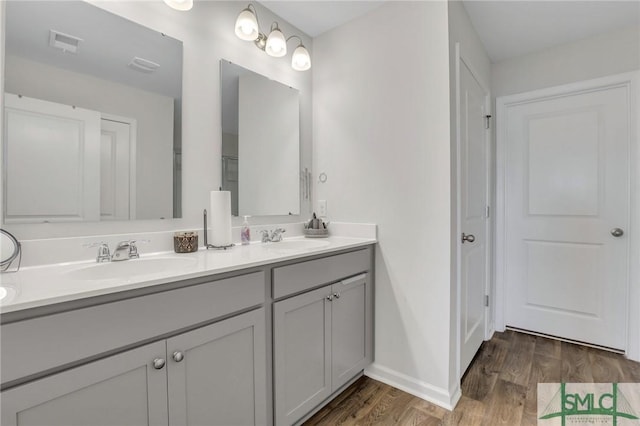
[468, 238]
[617, 232]
[177, 356]
[158, 363]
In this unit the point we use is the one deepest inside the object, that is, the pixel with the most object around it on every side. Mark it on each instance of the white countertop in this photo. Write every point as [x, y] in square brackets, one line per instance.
[39, 286]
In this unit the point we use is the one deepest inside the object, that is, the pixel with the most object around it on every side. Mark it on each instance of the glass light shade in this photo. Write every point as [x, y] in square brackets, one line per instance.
[276, 44]
[182, 5]
[247, 25]
[300, 60]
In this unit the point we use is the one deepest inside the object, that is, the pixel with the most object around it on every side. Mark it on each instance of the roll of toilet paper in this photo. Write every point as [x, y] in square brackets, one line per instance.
[220, 218]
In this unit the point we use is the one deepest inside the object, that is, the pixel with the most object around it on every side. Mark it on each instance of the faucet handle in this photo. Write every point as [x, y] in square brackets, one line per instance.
[104, 255]
[133, 248]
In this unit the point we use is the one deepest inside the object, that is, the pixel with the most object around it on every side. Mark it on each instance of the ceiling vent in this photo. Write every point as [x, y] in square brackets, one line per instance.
[143, 65]
[64, 42]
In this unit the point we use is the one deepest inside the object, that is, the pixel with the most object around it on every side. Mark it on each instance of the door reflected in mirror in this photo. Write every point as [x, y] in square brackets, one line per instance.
[260, 143]
[93, 116]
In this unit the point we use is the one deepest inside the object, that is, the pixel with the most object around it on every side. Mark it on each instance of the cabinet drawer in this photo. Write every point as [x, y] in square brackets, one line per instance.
[306, 275]
[42, 343]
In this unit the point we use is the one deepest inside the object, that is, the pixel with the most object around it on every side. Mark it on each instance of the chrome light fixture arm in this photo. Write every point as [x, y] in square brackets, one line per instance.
[261, 40]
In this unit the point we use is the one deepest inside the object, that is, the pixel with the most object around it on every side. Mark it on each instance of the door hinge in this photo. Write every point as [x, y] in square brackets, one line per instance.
[486, 300]
[488, 212]
[487, 124]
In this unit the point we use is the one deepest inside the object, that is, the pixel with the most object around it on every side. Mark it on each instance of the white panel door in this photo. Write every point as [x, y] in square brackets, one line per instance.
[473, 214]
[52, 161]
[567, 189]
[115, 167]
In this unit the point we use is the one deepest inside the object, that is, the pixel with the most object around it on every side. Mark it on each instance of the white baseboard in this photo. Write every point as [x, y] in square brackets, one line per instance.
[439, 396]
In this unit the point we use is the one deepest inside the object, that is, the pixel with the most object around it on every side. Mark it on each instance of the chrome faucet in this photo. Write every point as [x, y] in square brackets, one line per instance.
[125, 250]
[274, 237]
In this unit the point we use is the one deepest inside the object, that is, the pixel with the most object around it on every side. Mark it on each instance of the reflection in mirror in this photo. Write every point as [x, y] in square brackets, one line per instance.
[260, 143]
[92, 116]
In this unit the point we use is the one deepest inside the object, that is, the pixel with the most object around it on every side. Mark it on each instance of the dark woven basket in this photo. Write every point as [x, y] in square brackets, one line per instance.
[185, 242]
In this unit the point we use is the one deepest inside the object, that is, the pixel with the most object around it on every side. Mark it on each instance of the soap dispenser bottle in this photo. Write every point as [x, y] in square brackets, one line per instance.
[245, 233]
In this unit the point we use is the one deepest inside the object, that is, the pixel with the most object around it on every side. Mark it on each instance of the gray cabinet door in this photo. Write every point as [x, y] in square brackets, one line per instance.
[123, 389]
[351, 329]
[217, 373]
[302, 354]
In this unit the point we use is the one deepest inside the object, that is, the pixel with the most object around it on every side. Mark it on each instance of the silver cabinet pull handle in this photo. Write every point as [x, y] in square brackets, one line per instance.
[158, 363]
[177, 356]
[330, 297]
[617, 232]
[468, 238]
[336, 295]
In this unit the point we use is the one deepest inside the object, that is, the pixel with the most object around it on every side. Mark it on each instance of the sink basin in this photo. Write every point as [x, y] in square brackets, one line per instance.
[7, 294]
[292, 245]
[126, 269]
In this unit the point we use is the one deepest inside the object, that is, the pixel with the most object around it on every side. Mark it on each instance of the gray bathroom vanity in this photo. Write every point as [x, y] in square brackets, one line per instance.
[265, 342]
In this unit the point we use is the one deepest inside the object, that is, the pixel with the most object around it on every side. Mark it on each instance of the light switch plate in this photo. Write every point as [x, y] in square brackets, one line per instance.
[322, 207]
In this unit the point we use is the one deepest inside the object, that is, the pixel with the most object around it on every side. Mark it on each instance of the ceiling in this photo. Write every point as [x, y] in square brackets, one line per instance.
[510, 29]
[507, 28]
[314, 17]
[109, 43]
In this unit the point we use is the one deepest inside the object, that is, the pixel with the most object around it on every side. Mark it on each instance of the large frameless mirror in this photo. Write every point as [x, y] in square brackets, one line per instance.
[260, 143]
[93, 107]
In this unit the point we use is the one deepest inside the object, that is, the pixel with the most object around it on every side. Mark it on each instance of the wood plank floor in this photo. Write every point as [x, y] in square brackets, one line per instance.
[499, 387]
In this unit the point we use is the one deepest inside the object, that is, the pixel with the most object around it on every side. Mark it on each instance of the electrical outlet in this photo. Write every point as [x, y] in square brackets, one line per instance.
[322, 208]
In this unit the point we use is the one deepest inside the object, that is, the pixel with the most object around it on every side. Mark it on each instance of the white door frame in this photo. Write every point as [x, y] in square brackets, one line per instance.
[133, 165]
[488, 331]
[630, 81]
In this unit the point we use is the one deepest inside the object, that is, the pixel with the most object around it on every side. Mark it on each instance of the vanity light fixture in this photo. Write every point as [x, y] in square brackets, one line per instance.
[248, 29]
[182, 5]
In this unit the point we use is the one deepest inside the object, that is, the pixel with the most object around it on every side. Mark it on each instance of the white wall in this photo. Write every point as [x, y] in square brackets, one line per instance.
[381, 134]
[606, 54]
[153, 114]
[208, 36]
[471, 50]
